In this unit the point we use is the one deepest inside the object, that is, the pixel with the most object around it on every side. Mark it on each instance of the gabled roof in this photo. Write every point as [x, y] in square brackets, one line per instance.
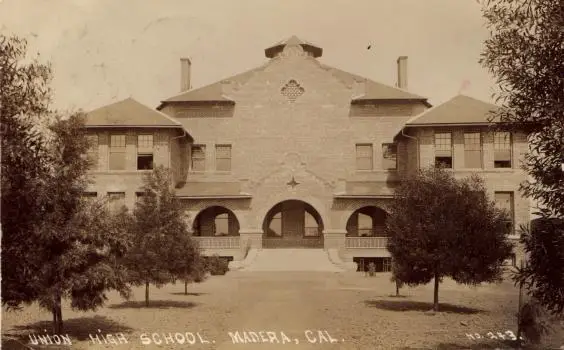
[129, 113]
[460, 109]
[373, 90]
[213, 92]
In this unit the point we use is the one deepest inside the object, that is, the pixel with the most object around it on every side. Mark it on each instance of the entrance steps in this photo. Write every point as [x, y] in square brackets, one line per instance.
[288, 259]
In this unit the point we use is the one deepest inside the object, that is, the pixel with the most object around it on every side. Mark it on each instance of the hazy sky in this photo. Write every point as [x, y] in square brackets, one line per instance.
[104, 51]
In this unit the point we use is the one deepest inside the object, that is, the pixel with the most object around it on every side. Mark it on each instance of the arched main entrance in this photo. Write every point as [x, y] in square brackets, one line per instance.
[367, 221]
[216, 221]
[293, 224]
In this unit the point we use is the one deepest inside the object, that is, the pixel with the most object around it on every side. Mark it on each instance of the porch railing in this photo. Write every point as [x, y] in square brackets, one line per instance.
[366, 242]
[218, 242]
[293, 242]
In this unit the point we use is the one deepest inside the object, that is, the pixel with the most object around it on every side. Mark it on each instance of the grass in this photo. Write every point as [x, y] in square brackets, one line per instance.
[356, 311]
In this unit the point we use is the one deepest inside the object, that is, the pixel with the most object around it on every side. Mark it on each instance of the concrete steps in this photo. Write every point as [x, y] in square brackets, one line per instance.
[288, 259]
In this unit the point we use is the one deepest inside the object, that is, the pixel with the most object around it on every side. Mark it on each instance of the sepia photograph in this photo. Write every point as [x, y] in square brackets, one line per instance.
[268, 174]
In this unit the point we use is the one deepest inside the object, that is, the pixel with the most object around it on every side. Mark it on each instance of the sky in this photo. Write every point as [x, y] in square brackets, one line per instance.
[103, 51]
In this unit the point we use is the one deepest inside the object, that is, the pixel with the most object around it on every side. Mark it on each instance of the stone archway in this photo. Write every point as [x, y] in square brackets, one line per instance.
[215, 221]
[367, 221]
[292, 224]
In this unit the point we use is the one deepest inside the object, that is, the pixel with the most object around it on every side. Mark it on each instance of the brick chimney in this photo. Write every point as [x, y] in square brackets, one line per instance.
[185, 65]
[402, 72]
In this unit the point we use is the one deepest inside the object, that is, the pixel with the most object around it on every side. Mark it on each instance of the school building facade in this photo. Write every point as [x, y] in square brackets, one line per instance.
[298, 154]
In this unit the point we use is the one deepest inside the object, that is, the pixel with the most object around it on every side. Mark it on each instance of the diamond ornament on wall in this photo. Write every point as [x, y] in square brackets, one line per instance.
[292, 90]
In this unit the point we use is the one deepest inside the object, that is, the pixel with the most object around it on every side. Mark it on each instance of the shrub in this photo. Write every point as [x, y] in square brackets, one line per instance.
[217, 265]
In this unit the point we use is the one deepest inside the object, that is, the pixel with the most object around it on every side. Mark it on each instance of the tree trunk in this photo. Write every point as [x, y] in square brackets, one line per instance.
[436, 293]
[147, 294]
[57, 314]
[397, 288]
[185, 287]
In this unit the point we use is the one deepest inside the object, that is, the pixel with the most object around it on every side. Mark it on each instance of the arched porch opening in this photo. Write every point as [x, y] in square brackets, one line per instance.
[216, 221]
[292, 223]
[369, 221]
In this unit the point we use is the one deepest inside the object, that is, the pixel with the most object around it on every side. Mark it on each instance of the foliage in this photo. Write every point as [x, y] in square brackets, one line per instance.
[162, 250]
[216, 265]
[24, 99]
[533, 321]
[524, 53]
[55, 245]
[443, 227]
[543, 242]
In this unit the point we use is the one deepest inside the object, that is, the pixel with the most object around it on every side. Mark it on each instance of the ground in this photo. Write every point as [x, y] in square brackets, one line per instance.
[351, 310]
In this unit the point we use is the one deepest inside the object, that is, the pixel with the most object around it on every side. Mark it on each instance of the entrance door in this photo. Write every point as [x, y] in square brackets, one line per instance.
[293, 224]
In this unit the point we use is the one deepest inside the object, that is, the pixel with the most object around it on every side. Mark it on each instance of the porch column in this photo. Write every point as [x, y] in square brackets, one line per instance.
[334, 239]
[250, 238]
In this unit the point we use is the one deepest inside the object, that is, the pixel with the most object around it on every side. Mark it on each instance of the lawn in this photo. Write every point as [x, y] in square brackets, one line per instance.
[307, 310]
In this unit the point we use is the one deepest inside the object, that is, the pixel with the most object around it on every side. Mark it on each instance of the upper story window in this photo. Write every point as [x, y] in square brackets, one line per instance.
[117, 152]
[443, 149]
[89, 197]
[198, 161]
[504, 200]
[472, 150]
[145, 152]
[364, 156]
[502, 150]
[116, 201]
[93, 151]
[389, 156]
[223, 157]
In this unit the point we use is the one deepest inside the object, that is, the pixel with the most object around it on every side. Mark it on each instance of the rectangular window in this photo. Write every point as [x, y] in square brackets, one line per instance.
[117, 152]
[504, 200]
[472, 150]
[93, 151]
[89, 197]
[145, 152]
[364, 156]
[502, 150]
[223, 157]
[390, 156]
[198, 162]
[443, 149]
[116, 201]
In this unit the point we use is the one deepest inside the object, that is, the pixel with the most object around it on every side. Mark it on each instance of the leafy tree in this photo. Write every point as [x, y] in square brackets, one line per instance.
[24, 100]
[525, 54]
[443, 227]
[161, 250]
[55, 246]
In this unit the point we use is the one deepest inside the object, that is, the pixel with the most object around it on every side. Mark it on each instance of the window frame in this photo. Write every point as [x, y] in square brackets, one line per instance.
[114, 150]
[507, 147]
[437, 150]
[122, 196]
[511, 220]
[395, 147]
[371, 157]
[202, 158]
[480, 149]
[93, 152]
[145, 151]
[217, 158]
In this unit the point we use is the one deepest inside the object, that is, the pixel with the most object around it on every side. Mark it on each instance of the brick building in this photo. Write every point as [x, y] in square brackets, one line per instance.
[296, 153]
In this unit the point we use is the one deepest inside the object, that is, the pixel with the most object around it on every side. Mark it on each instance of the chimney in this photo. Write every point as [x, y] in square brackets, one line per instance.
[402, 72]
[185, 65]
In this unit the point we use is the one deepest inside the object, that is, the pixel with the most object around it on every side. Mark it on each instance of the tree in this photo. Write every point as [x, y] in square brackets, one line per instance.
[55, 246]
[443, 227]
[397, 276]
[161, 250]
[24, 100]
[525, 55]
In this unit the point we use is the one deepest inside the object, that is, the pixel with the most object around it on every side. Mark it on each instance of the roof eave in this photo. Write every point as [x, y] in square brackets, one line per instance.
[133, 126]
[452, 124]
[361, 100]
